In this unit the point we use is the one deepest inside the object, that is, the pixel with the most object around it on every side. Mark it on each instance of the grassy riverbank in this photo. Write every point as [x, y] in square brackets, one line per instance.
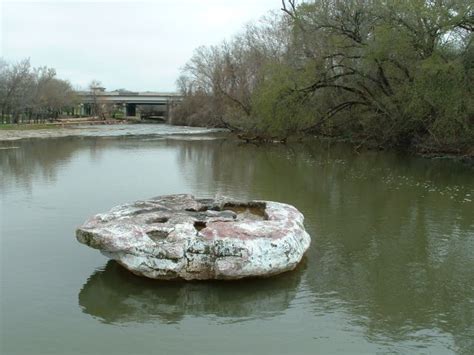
[28, 126]
[64, 123]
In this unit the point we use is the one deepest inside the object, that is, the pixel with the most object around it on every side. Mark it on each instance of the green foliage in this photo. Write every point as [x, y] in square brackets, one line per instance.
[443, 101]
[389, 73]
[279, 107]
[32, 126]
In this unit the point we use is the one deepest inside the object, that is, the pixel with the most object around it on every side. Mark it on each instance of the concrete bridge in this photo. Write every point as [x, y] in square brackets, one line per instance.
[127, 103]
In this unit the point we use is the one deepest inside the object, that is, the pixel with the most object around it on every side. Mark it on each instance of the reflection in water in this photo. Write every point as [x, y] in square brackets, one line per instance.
[114, 295]
[41, 159]
[25, 161]
[392, 236]
[32, 159]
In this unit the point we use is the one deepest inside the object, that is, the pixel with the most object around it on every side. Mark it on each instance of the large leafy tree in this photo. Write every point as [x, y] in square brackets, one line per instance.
[389, 73]
[398, 70]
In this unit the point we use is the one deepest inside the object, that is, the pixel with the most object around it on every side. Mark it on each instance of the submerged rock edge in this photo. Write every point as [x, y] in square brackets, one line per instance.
[180, 237]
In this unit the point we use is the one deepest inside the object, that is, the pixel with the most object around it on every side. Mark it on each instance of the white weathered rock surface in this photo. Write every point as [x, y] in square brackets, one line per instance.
[178, 236]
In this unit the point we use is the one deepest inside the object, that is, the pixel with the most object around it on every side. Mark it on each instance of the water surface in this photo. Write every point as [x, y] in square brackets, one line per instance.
[390, 268]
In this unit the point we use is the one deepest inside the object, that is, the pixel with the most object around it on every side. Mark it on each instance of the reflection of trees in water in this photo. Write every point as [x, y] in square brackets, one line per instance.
[114, 295]
[391, 238]
[396, 284]
[40, 159]
[31, 160]
[388, 239]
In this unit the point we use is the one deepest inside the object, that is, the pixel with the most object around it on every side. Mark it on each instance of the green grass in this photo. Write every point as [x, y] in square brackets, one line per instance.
[27, 126]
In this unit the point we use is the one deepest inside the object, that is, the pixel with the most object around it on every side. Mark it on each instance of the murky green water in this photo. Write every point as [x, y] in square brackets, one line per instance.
[390, 269]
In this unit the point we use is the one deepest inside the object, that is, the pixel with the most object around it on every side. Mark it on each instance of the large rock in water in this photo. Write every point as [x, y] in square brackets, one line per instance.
[178, 236]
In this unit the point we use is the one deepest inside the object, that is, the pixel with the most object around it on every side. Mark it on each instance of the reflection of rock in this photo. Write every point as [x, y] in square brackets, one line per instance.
[115, 296]
[178, 236]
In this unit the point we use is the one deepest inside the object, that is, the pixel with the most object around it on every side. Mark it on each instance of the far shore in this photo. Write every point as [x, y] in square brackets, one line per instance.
[66, 122]
[70, 126]
[88, 127]
[58, 128]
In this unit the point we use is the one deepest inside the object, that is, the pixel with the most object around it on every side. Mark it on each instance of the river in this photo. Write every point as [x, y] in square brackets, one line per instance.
[390, 268]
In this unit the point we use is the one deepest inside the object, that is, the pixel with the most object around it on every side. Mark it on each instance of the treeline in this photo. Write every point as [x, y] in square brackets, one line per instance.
[383, 73]
[32, 94]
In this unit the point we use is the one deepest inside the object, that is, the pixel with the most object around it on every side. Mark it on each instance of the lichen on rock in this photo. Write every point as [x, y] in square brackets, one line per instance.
[179, 236]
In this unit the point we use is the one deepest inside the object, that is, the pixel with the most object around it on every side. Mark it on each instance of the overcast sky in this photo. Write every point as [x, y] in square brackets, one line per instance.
[138, 45]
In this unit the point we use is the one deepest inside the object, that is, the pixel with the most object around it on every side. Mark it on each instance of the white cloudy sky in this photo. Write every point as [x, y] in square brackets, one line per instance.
[138, 45]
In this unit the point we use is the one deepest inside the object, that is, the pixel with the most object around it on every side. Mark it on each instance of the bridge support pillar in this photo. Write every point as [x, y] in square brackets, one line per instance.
[124, 110]
[169, 111]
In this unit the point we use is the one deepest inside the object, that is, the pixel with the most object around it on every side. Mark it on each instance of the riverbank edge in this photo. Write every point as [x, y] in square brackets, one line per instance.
[74, 130]
[464, 157]
[63, 123]
[424, 152]
[430, 150]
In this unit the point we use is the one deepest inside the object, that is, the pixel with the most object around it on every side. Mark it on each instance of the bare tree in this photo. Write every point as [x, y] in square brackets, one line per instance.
[14, 78]
[32, 93]
[98, 105]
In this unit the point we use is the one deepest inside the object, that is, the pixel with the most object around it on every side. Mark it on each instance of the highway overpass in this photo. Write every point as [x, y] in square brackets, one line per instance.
[127, 102]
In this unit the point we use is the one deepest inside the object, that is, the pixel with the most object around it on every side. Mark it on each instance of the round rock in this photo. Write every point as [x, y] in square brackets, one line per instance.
[179, 236]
